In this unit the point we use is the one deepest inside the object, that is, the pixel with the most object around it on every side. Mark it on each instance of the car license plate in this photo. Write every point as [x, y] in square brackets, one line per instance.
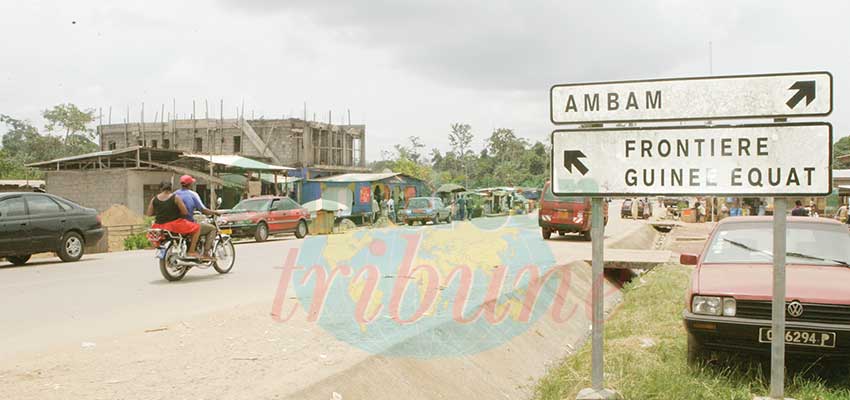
[562, 215]
[419, 211]
[801, 338]
[160, 253]
[227, 231]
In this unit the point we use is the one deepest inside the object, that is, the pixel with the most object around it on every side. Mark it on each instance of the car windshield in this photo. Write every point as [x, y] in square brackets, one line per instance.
[807, 243]
[252, 205]
[419, 203]
[549, 196]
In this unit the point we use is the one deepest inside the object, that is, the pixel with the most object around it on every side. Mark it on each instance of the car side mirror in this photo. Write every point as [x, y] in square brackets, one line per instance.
[689, 259]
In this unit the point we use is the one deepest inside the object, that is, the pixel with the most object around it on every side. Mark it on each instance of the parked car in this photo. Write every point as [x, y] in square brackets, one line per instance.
[424, 209]
[263, 216]
[563, 214]
[39, 222]
[729, 299]
[626, 209]
[644, 209]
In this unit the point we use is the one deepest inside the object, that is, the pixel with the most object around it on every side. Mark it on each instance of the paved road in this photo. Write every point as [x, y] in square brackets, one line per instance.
[48, 303]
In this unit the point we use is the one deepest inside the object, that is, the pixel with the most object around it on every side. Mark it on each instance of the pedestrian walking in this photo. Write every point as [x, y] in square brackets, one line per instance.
[799, 210]
[841, 214]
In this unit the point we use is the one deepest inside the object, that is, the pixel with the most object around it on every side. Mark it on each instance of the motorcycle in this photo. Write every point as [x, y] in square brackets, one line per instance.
[172, 251]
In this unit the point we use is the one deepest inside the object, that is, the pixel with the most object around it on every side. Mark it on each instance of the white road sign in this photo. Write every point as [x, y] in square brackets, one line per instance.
[704, 98]
[792, 159]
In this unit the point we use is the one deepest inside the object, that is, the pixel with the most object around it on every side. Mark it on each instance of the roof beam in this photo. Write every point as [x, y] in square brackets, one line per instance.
[258, 142]
[188, 171]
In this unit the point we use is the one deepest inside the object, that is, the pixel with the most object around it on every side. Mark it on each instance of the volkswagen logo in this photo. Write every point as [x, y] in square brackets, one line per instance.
[795, 309]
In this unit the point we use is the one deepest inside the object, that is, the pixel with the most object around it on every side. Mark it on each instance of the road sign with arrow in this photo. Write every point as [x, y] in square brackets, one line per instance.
[703, 98]
[791, 159]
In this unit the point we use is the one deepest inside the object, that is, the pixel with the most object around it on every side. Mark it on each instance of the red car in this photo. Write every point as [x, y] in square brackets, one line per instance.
[263, 216]
[729, 299]
[562, 214]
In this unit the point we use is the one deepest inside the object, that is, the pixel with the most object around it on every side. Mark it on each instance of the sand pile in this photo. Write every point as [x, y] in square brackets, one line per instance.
[120, 222]
[119, 214]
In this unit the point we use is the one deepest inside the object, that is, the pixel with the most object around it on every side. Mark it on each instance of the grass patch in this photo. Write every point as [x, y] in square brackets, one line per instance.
[645, 355]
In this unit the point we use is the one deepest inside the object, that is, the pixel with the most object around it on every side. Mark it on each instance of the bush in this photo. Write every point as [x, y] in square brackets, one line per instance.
[137, 241]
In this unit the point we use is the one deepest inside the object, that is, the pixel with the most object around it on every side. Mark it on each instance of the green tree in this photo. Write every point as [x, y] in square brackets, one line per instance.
[460, 139]
[23, 144]
[841, 148]
[70, 119]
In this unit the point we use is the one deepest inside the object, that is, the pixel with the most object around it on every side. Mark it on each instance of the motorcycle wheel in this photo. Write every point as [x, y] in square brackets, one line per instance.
[225, 256]
[169, 267]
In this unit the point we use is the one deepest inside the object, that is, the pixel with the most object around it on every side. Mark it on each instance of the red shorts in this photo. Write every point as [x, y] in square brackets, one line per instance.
[181, 226]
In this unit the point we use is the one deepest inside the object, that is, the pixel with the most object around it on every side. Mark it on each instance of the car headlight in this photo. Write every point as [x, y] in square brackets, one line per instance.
[729, 307]
[710, 305]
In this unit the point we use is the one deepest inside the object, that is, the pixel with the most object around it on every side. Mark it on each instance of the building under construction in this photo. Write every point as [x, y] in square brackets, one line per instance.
[311, 147]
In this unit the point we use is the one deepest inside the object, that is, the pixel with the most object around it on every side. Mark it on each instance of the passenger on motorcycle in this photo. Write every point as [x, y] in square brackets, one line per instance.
[193, 202]
[169, 210]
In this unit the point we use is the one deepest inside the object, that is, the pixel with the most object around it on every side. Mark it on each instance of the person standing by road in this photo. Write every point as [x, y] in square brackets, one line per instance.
[841, 214]
[461, 207]
[193, 202]
[169, 210]
[634, 209]
[391, 209]
[799, 210]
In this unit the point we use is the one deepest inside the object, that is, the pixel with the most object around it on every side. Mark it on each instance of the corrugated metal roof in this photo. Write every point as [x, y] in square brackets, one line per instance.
[362, 177]
[21, 182]
[105, 153]
[238, 162]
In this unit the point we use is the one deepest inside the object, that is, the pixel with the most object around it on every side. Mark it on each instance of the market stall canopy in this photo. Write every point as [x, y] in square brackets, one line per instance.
[239, 179]
[357, 177]
[324, 204]
[451, 188]
[234, 161]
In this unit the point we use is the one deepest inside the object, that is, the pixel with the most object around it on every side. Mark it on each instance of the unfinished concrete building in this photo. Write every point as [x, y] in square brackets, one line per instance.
[290, 142]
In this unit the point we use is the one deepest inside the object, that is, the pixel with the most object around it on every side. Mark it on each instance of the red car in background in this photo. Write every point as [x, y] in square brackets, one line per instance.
[563, 214]
[263, 216]
[729, 299]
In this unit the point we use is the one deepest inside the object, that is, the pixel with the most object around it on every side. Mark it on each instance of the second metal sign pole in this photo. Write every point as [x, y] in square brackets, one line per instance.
[777, 359]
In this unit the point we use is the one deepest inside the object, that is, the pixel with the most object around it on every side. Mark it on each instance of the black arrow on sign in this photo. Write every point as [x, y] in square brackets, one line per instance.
[804, 89]
[571, 159]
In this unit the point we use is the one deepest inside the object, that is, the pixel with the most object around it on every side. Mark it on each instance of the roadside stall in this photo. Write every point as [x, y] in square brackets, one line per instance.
[251, 169]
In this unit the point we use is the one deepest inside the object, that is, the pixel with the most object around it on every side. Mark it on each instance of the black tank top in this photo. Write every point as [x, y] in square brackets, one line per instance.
[166, 211]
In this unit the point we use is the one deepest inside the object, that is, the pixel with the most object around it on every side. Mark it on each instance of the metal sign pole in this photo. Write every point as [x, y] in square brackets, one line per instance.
[777, 359]
[597, 237]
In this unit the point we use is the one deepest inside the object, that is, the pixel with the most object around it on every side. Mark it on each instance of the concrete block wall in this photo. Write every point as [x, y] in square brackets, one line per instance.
[280, 136]
[136, 179]
[98, 189]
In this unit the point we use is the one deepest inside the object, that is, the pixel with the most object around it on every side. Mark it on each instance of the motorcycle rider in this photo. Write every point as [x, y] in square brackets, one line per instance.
[168, 208]
[193, 202]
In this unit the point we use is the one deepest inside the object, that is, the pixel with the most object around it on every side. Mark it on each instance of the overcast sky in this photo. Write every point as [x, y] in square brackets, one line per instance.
[402, 67]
